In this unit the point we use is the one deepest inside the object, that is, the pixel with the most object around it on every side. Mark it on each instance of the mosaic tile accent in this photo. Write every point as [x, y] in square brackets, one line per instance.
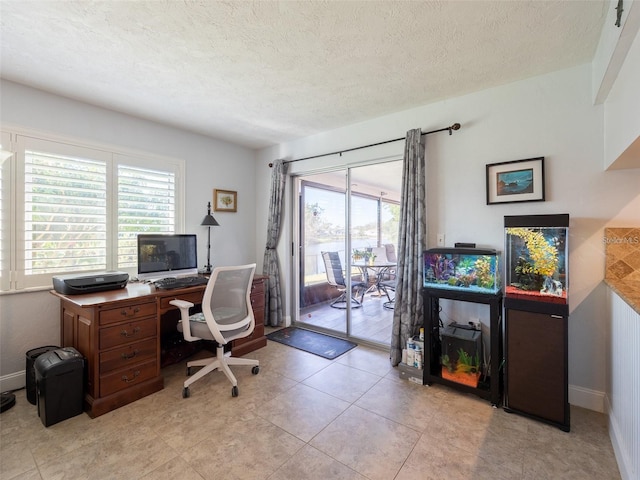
[622, 267]
[622, 248]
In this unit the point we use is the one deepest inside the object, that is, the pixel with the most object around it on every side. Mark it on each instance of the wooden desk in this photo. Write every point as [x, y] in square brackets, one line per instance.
[118, 332]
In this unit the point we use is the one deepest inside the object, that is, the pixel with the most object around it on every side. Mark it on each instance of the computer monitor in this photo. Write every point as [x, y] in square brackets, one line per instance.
[162, 256]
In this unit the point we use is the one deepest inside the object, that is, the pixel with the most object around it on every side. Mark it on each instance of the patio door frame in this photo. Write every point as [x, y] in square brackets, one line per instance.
[298, 247]
[296, 216]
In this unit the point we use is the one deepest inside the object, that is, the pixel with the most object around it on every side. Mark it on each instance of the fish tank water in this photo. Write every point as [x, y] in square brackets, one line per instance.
[536, 258]
[466, 269]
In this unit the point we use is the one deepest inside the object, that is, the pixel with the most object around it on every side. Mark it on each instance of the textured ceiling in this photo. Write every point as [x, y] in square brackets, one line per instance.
[260, 73]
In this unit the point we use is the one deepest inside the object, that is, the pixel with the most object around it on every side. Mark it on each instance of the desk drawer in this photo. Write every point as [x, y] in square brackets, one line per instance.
[193, 297]
[257, 301]
[257, 288]
[128, 355]
[127, 333]
[258, 315]
[123, 379]
[130, 312]
[257, 333]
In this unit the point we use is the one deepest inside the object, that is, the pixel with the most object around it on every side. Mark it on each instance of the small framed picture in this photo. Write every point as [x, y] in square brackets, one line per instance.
[225, 200]
[516, 181]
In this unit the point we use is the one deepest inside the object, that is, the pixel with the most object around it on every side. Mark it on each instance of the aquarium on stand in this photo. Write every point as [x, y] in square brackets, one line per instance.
[536, 317]
[453, 353]
[465, 269]
[536, 258]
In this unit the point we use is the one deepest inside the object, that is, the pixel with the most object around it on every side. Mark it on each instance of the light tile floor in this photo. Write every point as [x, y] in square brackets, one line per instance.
[304, 417]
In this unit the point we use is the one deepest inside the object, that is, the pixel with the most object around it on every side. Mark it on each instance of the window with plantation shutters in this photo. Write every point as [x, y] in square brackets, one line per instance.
[146, 204]
[65, 213]
[79, 209]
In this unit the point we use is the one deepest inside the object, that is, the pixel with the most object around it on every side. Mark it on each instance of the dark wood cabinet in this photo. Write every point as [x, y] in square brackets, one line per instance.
[536, 317]
[119, 331]
[536, 354]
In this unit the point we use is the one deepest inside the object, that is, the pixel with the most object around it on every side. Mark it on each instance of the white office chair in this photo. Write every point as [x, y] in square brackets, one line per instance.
[226, 315]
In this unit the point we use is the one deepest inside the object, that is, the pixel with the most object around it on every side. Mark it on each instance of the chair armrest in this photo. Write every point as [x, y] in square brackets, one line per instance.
[181, 304]
[184, 307]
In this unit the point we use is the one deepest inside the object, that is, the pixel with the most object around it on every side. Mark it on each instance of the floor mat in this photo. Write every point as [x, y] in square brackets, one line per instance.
[312, 342]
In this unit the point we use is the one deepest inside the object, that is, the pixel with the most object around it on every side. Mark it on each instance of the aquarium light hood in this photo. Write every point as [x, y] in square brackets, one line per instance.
[553, 220]
[463, 251]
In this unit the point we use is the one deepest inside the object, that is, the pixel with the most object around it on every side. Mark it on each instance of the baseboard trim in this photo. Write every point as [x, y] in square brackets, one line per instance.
[624, 462]
[586, 398]
[13, 381]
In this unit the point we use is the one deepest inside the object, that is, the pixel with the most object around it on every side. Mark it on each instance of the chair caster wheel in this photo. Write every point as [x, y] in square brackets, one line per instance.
[185, 392]
[234, 392]
[255, 370]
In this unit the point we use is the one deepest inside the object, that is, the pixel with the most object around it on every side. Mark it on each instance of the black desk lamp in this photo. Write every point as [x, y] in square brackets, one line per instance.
[209, 222]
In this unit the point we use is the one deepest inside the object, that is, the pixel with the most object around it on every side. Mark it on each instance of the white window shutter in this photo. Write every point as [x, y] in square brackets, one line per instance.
[146, 204]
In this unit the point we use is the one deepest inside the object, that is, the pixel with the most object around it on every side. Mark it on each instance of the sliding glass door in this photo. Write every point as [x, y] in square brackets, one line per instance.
[348, 222]
[323, 244]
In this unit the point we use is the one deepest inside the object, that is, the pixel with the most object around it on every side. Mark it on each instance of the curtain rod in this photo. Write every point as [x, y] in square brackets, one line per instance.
[455, 126]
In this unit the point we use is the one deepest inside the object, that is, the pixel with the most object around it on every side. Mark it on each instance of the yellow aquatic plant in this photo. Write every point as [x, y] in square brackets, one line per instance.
[543, 255]
[483, 272]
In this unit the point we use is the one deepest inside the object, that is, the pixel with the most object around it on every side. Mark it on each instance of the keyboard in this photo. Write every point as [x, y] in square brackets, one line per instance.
[182, 282]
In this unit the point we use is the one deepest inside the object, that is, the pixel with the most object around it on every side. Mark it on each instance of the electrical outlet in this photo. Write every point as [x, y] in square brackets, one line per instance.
[440, 240]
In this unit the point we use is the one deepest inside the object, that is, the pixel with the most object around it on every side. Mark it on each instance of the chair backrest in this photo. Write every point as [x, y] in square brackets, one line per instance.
[390, 249]
[333, 267]
[226, 303]
[380, 254]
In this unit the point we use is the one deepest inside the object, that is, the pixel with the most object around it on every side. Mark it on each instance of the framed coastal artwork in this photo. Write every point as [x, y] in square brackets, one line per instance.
[516, 181]
[225, 200]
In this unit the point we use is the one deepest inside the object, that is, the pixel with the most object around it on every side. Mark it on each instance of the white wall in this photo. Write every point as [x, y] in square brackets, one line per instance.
[551, 116]
[622, 113]
[29, 320]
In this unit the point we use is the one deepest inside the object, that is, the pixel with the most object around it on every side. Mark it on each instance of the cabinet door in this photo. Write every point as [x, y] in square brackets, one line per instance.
[536, 367]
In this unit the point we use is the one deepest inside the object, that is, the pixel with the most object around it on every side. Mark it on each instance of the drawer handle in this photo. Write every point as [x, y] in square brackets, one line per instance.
[124, 312]
[129, 380]
[129, 356]
[125, 333]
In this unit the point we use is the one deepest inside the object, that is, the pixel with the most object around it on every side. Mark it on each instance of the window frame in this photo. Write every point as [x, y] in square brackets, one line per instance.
[6, 213]
[13, 277]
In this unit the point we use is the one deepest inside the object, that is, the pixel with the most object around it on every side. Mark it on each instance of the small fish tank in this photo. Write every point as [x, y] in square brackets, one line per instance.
[466, 269]
[536, 258]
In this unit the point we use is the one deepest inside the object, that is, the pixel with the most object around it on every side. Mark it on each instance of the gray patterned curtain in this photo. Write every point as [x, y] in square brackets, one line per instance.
[271, 263]
[407, 313]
